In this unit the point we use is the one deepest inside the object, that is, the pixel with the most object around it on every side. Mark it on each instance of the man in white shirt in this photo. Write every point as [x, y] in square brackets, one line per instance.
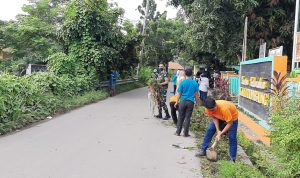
[203, 86]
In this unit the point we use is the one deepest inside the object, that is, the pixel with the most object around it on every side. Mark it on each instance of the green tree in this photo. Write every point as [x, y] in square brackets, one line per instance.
[185, 4]
[130, 52]
[151, 10]
[271, 22]
[33, 35]
[92, 34]
[2, 38]
[163, 40]
[215, 29]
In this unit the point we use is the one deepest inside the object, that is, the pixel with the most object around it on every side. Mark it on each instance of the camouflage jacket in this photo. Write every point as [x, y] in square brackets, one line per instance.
[163, 77]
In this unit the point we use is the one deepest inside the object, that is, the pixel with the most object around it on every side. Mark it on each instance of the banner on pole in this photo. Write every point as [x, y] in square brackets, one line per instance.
[298, 48]
[276, 51]
[262, 50]
[296, 59]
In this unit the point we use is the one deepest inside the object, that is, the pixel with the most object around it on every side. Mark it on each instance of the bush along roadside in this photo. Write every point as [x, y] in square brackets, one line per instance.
[145, 74]
[26, 100]
[282, 158]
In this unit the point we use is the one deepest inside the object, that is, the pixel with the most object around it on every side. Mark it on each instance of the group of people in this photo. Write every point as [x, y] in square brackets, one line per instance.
[189, 93]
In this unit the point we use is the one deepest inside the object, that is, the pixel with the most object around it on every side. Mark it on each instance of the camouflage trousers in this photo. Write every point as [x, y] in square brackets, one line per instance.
[162, 99]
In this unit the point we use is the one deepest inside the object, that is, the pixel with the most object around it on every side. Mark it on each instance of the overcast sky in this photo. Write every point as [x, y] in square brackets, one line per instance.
[10, 8]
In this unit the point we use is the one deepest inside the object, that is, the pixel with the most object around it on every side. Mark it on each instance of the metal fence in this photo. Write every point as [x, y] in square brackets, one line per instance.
[119, 82]
[234, 86]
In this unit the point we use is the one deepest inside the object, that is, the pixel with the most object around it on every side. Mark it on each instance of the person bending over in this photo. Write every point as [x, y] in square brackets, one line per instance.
[221, 111]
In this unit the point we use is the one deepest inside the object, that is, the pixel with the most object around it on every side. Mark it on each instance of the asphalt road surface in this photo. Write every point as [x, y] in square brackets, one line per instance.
[114, 138]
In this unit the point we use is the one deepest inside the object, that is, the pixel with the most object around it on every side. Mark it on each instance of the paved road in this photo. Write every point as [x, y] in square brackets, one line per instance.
[115, 138]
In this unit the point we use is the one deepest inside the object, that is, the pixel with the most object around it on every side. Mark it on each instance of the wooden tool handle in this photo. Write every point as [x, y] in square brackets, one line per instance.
[214, 144]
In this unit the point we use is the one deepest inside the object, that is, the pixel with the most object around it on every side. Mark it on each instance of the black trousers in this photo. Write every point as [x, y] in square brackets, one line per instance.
[185, 113]
[175, 87]
[173, 112]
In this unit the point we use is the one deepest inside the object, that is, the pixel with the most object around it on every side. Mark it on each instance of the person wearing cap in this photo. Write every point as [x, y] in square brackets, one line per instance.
[188, 93]
[221, 111]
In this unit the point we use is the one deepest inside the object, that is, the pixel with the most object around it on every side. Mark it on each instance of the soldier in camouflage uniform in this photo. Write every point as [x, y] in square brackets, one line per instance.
[163, 81]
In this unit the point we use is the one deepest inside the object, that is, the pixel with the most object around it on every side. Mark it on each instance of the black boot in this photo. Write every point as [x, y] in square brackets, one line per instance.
[167, 115]
[159, 116]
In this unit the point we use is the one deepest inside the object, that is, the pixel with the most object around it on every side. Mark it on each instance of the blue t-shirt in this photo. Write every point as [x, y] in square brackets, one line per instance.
[113, 78]
[174, 79]
[188, 88]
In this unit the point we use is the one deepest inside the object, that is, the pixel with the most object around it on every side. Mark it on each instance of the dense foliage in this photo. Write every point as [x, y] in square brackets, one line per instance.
[25, 100]
[163, 39]
[271, 22]
[285, 137]
[34, 34]
[215, 31]
[90, 33]
[145, 74]
[151, 10]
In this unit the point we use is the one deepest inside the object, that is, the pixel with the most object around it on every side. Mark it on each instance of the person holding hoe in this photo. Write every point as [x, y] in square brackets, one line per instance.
[220, 112]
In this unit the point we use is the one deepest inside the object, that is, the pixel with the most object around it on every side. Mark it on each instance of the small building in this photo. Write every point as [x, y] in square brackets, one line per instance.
[32, 68]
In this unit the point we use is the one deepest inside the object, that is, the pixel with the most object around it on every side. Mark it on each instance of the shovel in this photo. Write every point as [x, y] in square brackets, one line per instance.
[211, 153]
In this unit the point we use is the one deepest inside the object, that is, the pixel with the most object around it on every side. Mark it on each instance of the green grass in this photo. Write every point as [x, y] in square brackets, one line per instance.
[87, 98]
[237, 170]
[128, 87]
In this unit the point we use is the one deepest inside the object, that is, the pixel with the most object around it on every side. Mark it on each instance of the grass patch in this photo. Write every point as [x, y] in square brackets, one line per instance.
[87, 98]
[265, 159]
[237, 170]
[128, 87]
[49, 106]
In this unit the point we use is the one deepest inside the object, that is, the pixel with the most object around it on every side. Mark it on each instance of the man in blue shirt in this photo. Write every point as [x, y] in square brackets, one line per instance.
[188, 93]
[113, 82]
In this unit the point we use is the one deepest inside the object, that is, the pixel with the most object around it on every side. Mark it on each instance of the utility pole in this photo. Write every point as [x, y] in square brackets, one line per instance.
[295, 36]
[144, 31]
[244, 56]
